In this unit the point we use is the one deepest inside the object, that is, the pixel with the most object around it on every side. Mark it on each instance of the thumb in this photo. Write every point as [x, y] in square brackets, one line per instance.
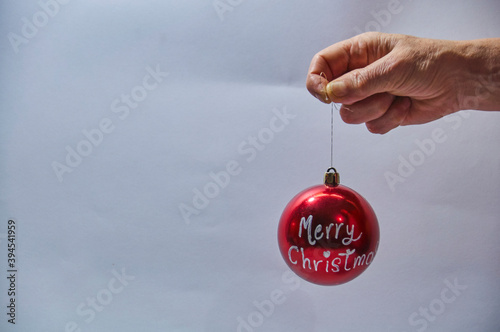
[361, 83]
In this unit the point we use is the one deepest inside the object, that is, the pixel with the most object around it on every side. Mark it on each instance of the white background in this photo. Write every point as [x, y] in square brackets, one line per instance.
[118, 210]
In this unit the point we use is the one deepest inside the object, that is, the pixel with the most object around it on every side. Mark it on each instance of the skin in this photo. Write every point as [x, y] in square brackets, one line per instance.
[390, 80]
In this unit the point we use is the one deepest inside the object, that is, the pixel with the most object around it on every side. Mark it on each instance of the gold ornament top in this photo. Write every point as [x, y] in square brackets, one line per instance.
[332, 179]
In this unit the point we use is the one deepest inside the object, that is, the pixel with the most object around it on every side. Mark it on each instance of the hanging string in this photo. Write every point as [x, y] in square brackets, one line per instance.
[322, 74]
[331, 141]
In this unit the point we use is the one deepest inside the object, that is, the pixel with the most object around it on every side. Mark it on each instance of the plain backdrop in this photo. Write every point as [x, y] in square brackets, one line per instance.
[102, 243]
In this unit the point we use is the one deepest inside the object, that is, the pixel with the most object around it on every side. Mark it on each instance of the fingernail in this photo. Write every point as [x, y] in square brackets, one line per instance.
[336, 88]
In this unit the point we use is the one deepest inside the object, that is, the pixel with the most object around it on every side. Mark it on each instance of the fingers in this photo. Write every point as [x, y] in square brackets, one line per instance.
[381, 112]
[367, 109]
[316, 84]
[363, 74]
[392, 118]
[361, 83]
[321, 72]
[353, 64]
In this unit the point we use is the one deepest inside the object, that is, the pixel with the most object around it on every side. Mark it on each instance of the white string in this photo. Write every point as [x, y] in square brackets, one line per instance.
[331, 141]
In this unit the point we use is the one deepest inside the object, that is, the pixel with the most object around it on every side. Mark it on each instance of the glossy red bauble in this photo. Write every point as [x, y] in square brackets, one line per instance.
[328, 234]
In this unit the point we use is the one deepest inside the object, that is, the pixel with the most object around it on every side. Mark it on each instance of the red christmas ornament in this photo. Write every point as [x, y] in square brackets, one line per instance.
[328, 234]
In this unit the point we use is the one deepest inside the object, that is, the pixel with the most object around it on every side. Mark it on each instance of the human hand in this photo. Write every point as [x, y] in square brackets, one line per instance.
[388, 80]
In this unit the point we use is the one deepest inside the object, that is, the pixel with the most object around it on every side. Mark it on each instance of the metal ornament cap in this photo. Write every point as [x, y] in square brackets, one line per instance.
[332, 179]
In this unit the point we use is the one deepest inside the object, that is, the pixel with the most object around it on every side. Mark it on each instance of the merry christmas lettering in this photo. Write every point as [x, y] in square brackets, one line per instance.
[319, 233]
[332, 231]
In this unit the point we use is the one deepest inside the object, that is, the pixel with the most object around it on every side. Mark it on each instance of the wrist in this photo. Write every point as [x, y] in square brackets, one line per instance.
[478, 85]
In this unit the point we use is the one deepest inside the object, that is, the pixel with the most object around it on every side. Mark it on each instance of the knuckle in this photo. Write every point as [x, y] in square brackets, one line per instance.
[358, 79]
[374, 35]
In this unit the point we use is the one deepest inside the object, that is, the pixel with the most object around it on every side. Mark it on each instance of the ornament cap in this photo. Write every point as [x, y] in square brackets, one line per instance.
[332, 179]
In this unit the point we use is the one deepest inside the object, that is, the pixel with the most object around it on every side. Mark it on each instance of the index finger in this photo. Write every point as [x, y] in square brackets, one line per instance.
[321, 72]
[342, 57]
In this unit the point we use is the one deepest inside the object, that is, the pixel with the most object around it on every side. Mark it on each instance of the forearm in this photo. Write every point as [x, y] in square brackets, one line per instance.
[479, 84]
